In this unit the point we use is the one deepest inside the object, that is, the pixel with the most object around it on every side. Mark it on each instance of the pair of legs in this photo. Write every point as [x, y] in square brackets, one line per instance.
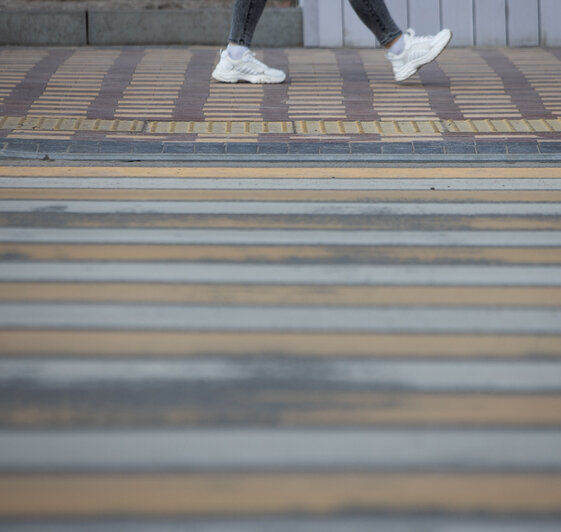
[406, 52]
[373, 13]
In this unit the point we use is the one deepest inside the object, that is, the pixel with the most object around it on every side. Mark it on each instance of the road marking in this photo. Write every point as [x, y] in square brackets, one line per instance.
[280, 449]
[303, 237]
[132, 407]
[245, 494]
[280, 208]
[540, 172]
[300, 524]
[280, 274]
[427, 376]
[335, 295]
[325, 222]
[285, 184]
[427, 184]
[361, 196]
[186, 344]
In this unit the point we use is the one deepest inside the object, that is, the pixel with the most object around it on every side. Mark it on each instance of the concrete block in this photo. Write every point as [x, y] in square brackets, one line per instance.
[278, 27]
[36, 28]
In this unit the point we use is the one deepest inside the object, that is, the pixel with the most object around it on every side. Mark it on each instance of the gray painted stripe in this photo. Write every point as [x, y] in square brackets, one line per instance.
[302, 237]
[418, 523]
[248, 273]
[234, 318]
[282, 208]
[428, 375]
[255, 449]
[282, 184]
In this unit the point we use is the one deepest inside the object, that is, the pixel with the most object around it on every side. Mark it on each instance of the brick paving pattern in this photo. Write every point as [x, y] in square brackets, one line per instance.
[341, 96]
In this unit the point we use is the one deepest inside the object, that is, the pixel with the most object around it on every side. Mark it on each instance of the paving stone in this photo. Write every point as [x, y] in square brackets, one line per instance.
[334, 147]
[304, 147]
[115, 146]
[22, 145]
[397, 147]
[178, 147]
[241, 147]
[210, 147]
[273, 147]
[83, 146]
[491, 147]
[148, 147]
[550, 147]
[457, 147]
[428, 147]
[366, 147]
[54, 146]
[522, 147]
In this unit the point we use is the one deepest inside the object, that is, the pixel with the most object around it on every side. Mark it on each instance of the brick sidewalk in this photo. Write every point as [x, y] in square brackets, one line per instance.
[343, 97]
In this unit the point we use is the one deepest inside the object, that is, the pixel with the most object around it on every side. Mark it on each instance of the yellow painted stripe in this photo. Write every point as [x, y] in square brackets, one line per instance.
[188, 344]
[258, 253]
[315, 222]
[281, 493]
[503, 196]
[277, 173]
[366, 408]
[297, 408]
[284, 295]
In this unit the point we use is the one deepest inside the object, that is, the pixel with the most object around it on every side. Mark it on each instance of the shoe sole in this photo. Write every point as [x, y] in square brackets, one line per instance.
[249, 79]
[416, 65]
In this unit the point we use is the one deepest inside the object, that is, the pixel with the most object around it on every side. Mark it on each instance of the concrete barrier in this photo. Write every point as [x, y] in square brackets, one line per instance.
[31, 28]
[278, 27]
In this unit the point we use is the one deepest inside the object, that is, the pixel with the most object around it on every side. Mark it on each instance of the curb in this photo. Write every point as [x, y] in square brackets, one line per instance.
[278, 27]
[385, 152]
[289, 158]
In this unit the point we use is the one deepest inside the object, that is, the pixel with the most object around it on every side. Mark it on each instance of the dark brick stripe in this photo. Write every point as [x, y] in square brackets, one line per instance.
[274, 106]
[33, 85]
[116, 81]
[196, 87]
[522, 94]
[437, 84]
[356, 87]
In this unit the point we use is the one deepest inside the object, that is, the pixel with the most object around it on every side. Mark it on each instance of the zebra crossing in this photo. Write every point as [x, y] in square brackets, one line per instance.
[315, 348]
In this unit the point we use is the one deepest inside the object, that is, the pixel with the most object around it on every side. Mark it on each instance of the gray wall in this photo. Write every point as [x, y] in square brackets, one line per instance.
[474, 22]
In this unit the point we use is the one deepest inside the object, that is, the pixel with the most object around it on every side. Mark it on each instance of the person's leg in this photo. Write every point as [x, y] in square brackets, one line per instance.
[406, 52]
[376, 16]
[237, 62]
[245, 16]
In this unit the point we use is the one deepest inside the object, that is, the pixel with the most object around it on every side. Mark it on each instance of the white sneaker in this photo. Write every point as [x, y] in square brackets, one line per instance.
[248, 68]
[418, 52]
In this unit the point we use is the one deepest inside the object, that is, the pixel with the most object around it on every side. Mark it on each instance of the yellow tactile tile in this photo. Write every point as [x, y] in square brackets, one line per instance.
[317, 128]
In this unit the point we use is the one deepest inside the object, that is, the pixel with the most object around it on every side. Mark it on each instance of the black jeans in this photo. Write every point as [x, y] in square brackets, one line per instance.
[374, 14]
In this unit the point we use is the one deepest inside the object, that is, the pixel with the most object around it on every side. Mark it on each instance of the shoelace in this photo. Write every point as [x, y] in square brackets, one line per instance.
[249, 57]
[418, 38]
